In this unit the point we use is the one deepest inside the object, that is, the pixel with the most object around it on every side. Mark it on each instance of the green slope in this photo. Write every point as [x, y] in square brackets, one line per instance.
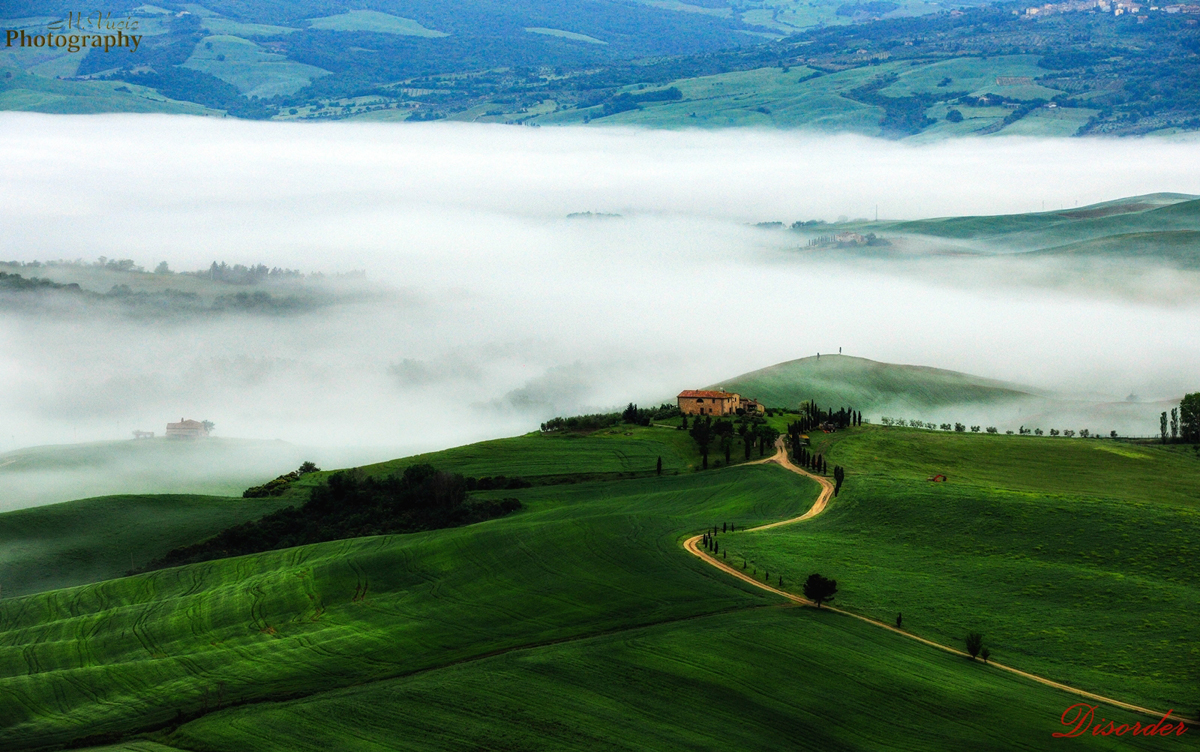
[842, 380]
[1154, 212]
[1179, 247]
[23, 91]
[764, 679]
[77, 542]
[580, 559]
[1077, 559]
[1074, 557]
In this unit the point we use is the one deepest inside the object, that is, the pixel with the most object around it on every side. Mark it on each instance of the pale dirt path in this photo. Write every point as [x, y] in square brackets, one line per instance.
[692, 545]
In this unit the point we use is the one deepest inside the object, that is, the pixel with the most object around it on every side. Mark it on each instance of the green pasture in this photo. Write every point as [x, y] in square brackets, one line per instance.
[564, 35]
[841, 380]
[1047, 465]
[1178, 247]
[371, 20]
[229, 27]
[33, 93]
[254, 71]
[78, 542]
[581, 559]
[621, 451]
[1152, 213]
[1077, 559]
[976, 76]
[759, 679]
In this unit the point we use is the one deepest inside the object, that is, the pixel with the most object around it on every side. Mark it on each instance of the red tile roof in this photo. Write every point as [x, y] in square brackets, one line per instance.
[705, 393]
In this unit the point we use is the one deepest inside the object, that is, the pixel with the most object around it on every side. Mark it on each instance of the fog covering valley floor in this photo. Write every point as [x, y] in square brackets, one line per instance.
[580, 623]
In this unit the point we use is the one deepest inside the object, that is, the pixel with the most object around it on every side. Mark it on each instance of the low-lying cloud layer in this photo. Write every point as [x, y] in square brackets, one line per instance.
[499, 311]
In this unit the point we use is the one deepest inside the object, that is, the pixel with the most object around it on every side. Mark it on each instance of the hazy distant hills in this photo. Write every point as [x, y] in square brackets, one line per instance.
[937, 395]
[897, 69]
[867, 385]
[1161, 228]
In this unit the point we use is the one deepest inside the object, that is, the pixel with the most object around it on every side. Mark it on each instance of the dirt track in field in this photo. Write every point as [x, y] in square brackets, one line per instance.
[692, 545]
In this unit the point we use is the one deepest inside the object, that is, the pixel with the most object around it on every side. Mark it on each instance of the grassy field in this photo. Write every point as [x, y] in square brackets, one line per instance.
[564, 35]
[371, 20]
[623, 451]
[1177, 247]
[796, 98]
[1153, 213]
[762, 679]
[841, 380]
[78, 542]
[1077, 560]
[578, 622]
[582, 559]
[254, 71]
[23, 91]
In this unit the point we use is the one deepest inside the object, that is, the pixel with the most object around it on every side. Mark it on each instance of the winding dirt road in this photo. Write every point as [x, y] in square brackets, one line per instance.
[780, 458]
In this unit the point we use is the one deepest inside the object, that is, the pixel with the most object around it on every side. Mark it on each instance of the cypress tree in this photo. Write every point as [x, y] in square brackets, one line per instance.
[658, 470]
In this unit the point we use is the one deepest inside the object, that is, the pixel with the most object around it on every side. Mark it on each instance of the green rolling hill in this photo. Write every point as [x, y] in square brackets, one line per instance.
[843, 380]
[79, 542]
[1179, 248]
[1149, 226]
[1070, 555]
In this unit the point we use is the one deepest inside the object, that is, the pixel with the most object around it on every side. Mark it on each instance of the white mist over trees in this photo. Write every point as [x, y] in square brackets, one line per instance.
[488, 311]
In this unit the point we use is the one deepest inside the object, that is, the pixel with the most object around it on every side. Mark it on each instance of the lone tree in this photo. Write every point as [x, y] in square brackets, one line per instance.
[974, 644]
[658, 470]
[819, 589]
[701, 432]
[839, 475]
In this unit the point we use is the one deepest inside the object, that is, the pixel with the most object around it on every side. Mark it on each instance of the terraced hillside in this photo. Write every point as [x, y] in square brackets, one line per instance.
[842, 380]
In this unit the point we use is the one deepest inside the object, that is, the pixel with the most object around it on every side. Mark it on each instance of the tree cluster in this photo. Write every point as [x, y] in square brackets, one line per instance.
[807, 459]
[350, 505]
[279, 485]
[632, 415]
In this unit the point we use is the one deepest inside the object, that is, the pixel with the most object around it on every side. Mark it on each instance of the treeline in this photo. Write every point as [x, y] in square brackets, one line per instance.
[38, 294]
[1083, 433]
[813, 417]
[237, 274]
[632, 414]
[351, 505]
[1184, 421]
[626, 101]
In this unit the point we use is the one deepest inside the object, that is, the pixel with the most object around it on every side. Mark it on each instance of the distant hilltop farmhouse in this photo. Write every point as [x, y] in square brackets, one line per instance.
[706, 402]
[189, 429]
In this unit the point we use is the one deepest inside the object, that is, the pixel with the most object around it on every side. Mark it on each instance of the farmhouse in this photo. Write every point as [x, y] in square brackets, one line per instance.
[187, 429]
[708, 402]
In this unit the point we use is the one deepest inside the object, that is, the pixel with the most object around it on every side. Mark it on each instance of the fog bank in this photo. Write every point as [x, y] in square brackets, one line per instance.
[500, 312]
